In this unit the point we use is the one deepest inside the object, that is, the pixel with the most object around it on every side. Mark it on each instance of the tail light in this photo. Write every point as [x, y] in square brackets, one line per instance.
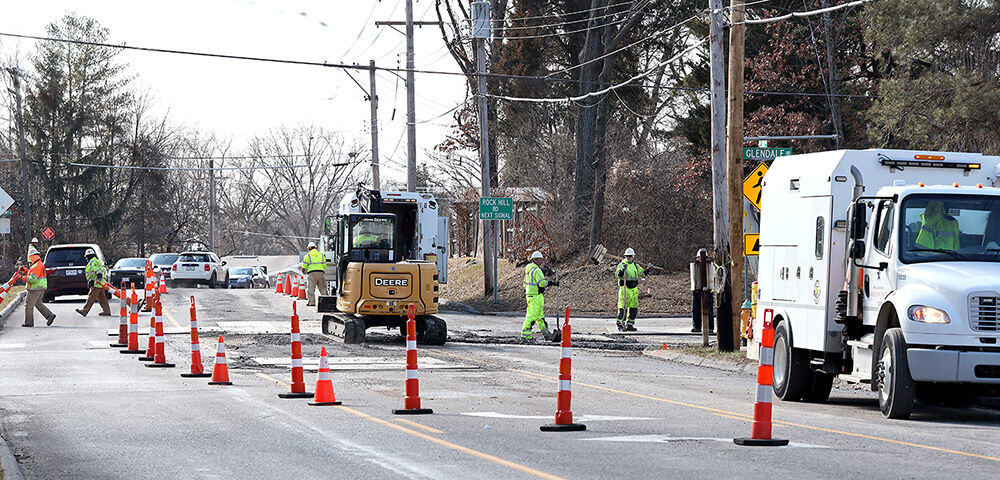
[50, 271]
[174, 267]
[207, 268]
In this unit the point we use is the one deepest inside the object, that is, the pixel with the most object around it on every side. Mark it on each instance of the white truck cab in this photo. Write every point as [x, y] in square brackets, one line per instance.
[881, 267]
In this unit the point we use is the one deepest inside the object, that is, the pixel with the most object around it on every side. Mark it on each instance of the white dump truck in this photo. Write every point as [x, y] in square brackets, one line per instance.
[882, 267]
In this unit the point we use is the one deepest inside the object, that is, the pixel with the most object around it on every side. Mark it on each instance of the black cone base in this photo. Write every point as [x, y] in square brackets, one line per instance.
[198, 375]
[220, 383]
[412, 411]
[296, 395]
[133, 352]
[756, 442]
[322, 404]
[569, 427]
[145, 359]
[160, 365]
[118, 345]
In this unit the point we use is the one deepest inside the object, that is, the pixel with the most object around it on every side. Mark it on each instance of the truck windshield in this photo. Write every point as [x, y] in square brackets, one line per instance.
[372, 233]
[942, 227]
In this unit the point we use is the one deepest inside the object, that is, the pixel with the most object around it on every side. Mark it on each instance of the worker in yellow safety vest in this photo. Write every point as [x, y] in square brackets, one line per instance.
[628, 273]
[95, 281]
[37, 283]
[938, 230]
[534, 289]
[314, 266]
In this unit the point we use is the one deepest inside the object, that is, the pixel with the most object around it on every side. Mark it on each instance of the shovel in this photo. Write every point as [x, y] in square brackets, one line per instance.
[555, 334]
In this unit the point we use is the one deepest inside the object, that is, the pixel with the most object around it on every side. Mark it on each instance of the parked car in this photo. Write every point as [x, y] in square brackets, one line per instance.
[205, 268]
[162, 262]
[64, 266]
[248, 277]
[132, 270]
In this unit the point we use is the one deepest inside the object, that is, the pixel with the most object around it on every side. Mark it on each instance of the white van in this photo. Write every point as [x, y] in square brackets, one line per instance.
[881, 267]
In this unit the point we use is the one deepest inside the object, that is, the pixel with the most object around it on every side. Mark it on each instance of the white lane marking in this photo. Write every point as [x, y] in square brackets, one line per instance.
[13, 346]
[311, 364]
[661, 438]
[579, 418]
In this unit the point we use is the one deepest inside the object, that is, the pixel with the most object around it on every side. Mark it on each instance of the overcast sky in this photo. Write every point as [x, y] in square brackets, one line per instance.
[239, 99]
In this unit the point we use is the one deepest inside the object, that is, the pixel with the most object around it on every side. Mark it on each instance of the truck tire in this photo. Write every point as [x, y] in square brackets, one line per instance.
[818, 391]
[791, 367]
[354, 330]
[432, 331]
[895, 387]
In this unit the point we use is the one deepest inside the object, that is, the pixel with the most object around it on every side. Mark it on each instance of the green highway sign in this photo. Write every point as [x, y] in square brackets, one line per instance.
[496, 208]
[758, 153]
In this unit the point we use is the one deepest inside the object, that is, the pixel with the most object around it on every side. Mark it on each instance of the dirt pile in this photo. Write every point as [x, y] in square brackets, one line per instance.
[586, 287]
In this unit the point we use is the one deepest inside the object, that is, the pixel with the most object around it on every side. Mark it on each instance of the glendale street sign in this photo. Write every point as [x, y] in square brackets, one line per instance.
[758, 153]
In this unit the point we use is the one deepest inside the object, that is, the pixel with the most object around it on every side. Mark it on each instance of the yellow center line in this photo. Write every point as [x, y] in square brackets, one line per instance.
[456, 447]
[418, 425]
[444, 443]
[725, 413]
[171, 318]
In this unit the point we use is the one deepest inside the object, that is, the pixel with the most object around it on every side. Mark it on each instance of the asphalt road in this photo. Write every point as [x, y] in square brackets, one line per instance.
[71, 407]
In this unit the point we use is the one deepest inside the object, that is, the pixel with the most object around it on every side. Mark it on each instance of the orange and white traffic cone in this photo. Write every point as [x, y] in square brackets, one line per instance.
[298, 386]
[411, 401]
[295, 286]
[148, 298]
[197, 369]
[324, 384]
[288, 284]
[279, 284]
[10, 284]
[302, 288]
[160, 354]
[564, 414]
[220, 374]
[122, 319]
[760, 429]
[163, 284]
[133, 324]
[151, 344]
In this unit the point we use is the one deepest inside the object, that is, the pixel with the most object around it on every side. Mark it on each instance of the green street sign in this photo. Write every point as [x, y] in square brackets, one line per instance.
[496, 208]
[758, 153]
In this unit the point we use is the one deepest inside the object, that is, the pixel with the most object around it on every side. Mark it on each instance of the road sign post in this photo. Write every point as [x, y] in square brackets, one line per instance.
[494, 209]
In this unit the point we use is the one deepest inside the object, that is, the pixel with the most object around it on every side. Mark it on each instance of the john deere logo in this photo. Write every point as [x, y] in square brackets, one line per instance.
[390, 282]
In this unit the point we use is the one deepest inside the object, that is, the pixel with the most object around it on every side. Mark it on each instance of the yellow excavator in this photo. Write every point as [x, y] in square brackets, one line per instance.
[385, 251]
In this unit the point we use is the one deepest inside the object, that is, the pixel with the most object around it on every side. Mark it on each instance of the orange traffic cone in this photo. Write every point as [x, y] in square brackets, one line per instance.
[147, 305]
[220, 374]
[163, 284]
[411, 400]
[279, 284]
[122, 319]
[760, 429]
[302, 289]
[564, 414]
[133, 324]
[197, 369]
[288, 284]
[160, 353]
[151, 344]
[298, 386]
[295, 287]
[324, 384]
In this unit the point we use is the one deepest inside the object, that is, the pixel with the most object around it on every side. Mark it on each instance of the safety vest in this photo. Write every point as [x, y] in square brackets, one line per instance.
[533, 279]
[94, 271]
[365, 238]
[940, 234]
[314, 261]
[36, 276]
[632, 273]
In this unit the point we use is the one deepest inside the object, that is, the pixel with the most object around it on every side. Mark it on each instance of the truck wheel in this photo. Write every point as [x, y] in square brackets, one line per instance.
[892, 373]
[791, 367]
[433, 332]
[820, 384]
[354, 330]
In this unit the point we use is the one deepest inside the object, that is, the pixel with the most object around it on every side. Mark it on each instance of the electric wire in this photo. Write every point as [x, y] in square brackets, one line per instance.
[518, 19]
[569, 22]
[804, 14]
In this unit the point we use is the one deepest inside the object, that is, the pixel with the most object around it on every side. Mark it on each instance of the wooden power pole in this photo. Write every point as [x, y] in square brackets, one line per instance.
[720, 220]
[735, 165]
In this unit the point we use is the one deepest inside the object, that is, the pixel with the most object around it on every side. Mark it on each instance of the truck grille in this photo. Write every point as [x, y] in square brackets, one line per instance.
[984, 313]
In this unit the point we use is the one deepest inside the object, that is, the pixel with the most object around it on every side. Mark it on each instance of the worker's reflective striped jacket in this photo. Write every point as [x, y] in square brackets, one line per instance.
[533, 279]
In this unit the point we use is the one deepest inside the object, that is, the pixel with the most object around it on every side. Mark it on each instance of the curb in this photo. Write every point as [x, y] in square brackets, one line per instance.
[8, 463]
[9, 310]
[686, 358]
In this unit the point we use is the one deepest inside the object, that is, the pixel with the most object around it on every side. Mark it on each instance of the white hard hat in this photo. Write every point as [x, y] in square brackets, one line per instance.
[34, 239]
[32, 250]
[629, 252]
[536, 254]
[312, 244]
[89, 252]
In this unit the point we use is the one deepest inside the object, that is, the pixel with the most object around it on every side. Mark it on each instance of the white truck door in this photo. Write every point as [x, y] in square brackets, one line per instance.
[814, 286]
[878, 283]
[442, 249]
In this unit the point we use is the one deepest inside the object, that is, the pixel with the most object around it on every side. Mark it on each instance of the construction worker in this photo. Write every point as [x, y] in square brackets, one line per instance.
[95, 280]
[37, 284]
[313, 265]
[628, 273]
[365, 238]
[534, 288]
[34, 244]
[938, 230]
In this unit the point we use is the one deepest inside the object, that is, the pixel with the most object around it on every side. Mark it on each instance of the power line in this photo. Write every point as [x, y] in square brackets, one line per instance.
[518, 19]
[136, 167]
[808, 13]
[547, 35]
[568, 22]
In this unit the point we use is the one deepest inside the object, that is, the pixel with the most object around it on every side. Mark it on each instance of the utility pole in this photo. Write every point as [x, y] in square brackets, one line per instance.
[373, 99]
[720, 207]
[16, 77]
[481, 34]
[411, 108]
[735, 169]
[211, 204]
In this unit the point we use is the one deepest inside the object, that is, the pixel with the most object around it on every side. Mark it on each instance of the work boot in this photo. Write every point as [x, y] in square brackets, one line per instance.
[104, 314]
[621, 326]
[28, 325]
[630, 328]
[80, 311]
[695, 330]
[48, 321]
[526, 339]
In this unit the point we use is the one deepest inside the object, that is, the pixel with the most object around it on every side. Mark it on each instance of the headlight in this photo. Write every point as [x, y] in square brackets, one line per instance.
[923, 314]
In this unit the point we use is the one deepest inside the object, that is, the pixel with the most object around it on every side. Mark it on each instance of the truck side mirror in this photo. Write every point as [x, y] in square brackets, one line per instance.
[857, 249]
[859, 216]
